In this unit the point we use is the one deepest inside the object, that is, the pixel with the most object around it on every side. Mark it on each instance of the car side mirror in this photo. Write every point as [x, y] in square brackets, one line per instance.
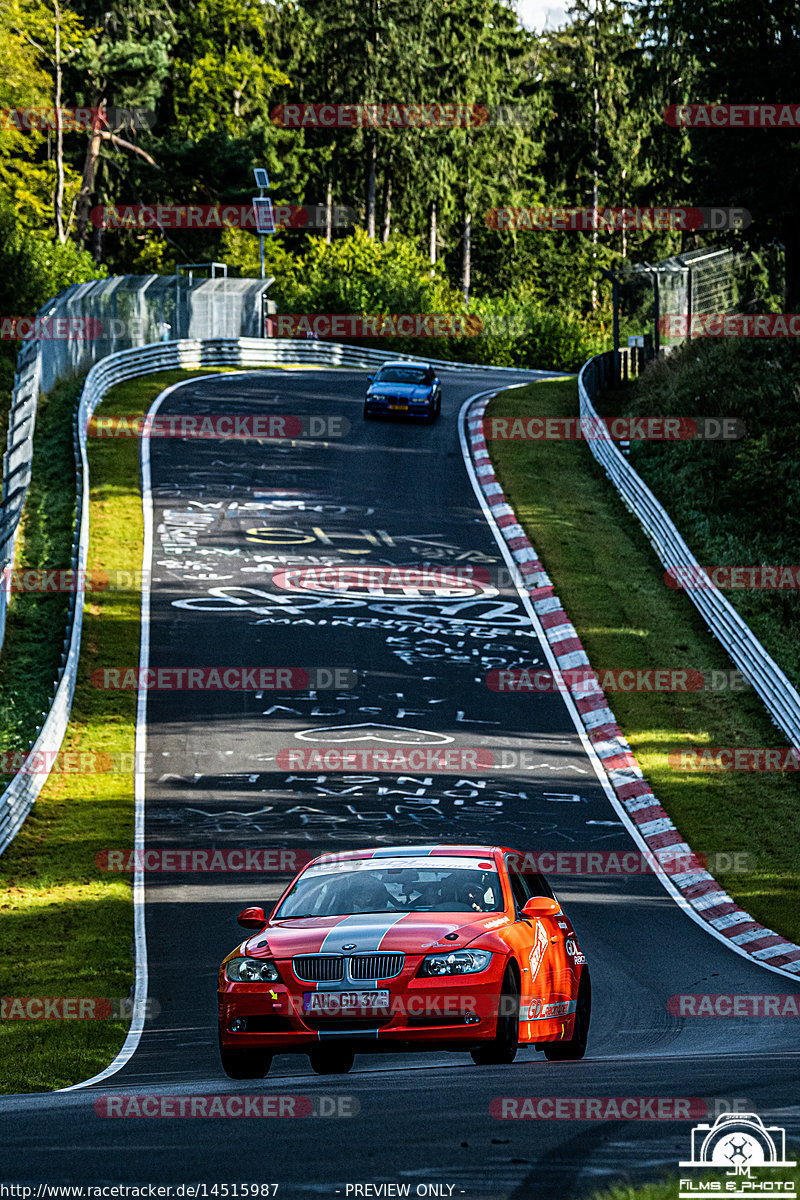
[252, 918]
[541, 906]
[371, 378]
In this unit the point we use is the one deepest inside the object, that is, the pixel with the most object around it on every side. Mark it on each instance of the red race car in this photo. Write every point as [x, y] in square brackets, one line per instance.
[412, 948]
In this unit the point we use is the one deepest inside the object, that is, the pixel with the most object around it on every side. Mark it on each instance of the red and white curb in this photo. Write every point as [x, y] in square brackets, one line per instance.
[710, 903]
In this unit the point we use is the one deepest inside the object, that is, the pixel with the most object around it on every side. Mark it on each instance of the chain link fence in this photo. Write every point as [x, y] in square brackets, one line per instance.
[84, 324]
[654, 303]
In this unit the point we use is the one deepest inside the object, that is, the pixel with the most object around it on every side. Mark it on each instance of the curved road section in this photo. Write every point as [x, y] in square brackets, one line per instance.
[296, 556]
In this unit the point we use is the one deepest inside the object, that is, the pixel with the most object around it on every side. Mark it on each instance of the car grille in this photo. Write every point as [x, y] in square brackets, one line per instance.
[348, 1024]
[328, 968]
[376, 966]
[318, 968]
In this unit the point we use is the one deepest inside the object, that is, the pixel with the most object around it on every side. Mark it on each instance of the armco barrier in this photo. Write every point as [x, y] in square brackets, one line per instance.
[107, 315]
[21, 793]
[779, 696]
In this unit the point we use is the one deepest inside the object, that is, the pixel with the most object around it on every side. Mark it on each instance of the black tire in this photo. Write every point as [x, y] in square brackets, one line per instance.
[575, 1048]
[503, 1047]
[367, 414]
[245, 1064]
[331, 1060]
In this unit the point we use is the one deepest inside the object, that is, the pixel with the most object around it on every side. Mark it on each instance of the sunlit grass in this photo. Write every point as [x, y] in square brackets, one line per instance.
[67, 927]
[612, 586]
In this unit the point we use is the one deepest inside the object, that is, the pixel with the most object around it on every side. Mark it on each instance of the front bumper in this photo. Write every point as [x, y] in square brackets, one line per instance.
[399, 406]
[455, 1010]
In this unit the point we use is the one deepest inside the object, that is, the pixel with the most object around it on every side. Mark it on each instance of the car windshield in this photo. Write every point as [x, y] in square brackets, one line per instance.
[341, 889]
[403, 375]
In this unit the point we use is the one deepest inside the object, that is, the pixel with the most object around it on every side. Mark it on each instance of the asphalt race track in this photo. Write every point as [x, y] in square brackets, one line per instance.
[227, 514]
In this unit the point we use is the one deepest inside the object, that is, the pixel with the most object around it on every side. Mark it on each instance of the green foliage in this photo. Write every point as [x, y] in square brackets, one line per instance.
[737, 502]
[33, 268]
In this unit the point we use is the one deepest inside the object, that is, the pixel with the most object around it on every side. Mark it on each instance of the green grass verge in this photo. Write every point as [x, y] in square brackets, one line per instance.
[36, 622]
[612, 588]
[67, 928]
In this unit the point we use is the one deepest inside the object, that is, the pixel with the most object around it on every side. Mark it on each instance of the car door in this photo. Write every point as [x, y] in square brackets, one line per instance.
[547, 977]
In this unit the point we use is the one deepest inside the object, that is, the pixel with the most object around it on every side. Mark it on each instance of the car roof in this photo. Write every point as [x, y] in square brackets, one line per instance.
[404, 363]
[422, 851]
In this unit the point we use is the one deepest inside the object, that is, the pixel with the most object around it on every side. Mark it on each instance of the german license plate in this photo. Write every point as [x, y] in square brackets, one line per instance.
[344, 1002]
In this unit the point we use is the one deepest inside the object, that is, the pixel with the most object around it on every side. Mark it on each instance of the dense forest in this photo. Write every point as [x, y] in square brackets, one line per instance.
[459, 110]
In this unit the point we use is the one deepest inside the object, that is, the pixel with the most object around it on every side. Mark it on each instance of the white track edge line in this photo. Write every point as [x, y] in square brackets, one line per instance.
[605, 783]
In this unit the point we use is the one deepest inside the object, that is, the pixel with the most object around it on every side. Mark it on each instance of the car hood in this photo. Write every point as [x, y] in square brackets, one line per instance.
[405, 391]
[409, 933]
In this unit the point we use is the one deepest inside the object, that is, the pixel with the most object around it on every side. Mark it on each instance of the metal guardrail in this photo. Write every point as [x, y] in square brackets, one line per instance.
[780, 697]
[106, 315]
[18, 798]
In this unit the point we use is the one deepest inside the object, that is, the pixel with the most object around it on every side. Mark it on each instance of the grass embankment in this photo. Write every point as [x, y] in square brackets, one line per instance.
[66, 928]
[612, 587]
[737, 504]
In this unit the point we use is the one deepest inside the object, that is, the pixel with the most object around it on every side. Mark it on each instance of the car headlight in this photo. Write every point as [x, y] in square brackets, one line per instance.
[251, 970]
[456, 962]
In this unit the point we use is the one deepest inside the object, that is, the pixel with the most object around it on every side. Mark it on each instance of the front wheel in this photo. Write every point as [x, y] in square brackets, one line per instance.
[575, 1048]
[245, 1064]
[503, 1047]
[368, 413]
[331, 1060]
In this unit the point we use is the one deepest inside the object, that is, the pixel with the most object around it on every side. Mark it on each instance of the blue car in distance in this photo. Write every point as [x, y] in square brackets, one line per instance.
[404, 389]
